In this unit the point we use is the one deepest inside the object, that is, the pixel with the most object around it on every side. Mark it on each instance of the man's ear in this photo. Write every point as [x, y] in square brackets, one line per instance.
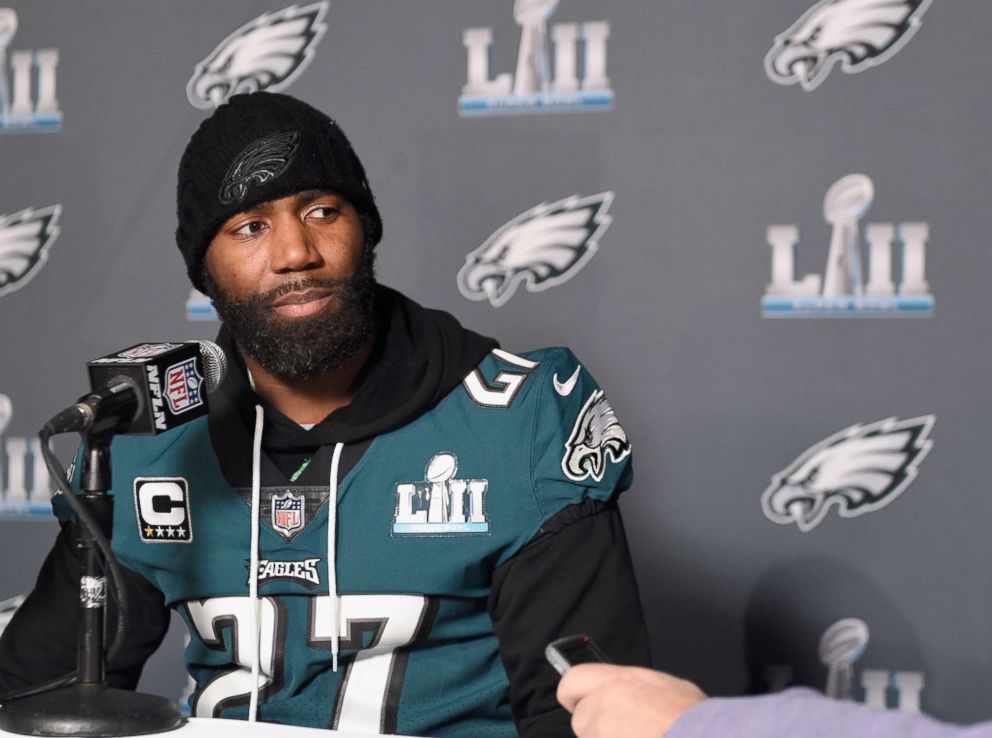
[207, 284]
[367, 229]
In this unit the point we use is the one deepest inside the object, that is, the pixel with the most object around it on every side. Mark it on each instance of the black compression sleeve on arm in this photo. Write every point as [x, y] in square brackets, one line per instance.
[39, 643]
[574, 577]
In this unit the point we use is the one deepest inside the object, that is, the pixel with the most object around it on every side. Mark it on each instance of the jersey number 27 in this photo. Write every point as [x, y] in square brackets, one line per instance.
[366, 702]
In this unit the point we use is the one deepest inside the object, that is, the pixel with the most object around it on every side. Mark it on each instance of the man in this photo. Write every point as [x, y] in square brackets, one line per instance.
[608, 701]
[384, 516]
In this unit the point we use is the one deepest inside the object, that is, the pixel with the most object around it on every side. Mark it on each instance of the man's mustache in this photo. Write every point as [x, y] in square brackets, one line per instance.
[332, 284]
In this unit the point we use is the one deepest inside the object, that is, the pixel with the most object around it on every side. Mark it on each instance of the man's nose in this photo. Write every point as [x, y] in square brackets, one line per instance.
[292, 247]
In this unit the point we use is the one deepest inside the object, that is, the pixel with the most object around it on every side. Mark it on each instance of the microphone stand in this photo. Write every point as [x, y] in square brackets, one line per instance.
[89, 707]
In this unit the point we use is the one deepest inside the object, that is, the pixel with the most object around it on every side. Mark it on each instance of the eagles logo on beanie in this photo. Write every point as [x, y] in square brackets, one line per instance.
[258, 147]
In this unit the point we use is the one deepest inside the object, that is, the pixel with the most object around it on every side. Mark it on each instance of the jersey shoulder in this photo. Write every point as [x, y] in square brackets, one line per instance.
[578, 448]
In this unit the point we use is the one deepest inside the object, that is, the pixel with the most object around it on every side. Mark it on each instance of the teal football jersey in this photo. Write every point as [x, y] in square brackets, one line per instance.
[423, 519]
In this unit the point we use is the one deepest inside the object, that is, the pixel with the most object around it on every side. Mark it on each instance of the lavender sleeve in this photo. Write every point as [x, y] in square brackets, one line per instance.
[803, 713]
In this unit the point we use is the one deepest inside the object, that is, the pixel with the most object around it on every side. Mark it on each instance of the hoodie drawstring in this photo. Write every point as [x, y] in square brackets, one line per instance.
[332, 578]
[256, 493]
[332, 573]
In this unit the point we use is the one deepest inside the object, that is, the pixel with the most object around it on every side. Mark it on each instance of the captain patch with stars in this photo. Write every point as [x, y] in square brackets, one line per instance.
[162, 507]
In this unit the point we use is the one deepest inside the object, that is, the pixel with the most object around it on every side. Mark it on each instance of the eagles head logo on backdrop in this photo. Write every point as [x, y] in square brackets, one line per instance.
[858, 470]
[541, 248]
[25, 240]
[857, 34]
[7, 609]
[268, 53]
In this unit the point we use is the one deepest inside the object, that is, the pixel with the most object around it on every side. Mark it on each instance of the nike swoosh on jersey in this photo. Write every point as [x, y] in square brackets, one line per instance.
[565, 388]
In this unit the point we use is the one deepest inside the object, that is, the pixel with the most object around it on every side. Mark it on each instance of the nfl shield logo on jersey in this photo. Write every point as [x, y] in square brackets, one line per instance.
[183, 386]
[288, 513]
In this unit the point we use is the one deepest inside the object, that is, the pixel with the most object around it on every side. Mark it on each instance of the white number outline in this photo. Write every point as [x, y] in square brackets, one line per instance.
[507, 384]
[209, 618]
[369, 690]
[396, 622]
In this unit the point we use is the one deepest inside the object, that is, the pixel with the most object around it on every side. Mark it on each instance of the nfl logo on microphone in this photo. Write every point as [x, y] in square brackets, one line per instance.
[184, 386]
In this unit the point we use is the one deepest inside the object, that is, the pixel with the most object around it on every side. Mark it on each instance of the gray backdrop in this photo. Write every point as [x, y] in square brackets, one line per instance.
[703, 152]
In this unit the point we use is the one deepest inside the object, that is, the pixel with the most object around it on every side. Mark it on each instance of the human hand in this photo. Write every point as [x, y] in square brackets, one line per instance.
[608, 701]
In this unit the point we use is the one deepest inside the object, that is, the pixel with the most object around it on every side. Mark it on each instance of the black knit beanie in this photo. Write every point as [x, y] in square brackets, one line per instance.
[259, 147]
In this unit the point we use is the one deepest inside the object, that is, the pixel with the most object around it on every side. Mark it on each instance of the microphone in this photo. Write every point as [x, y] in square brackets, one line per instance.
[145, 390]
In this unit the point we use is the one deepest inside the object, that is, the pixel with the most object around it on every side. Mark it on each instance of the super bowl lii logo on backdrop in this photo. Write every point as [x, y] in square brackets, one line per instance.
[199, 307]
[28, 101]
[560, 68]
[267, 53]
[855, 34]
[541, 248]
[844, 291]
[842, 645]
[856, 471]
[25, 486]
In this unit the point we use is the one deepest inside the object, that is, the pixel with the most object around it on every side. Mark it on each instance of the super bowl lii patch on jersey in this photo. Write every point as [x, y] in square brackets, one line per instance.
[162, 507]
[441, 504]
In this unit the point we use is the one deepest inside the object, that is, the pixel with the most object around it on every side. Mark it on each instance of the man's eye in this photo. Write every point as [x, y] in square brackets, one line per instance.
[324, 211]
[252, 228]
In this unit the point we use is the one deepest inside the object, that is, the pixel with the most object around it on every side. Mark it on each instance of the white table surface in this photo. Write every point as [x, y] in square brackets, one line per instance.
[217, 728]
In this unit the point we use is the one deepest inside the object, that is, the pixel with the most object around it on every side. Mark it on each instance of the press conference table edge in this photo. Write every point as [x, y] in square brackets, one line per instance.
[221, 728]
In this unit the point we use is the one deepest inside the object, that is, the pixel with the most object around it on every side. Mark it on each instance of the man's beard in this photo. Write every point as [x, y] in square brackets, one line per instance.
[296, 348]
